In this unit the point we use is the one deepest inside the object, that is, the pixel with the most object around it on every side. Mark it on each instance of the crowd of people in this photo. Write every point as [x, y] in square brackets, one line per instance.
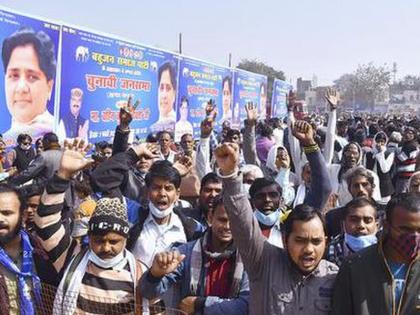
[285, 216]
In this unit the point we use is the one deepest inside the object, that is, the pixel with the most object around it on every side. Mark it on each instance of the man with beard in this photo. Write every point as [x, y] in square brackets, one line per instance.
[87, 270]
[361, 183]
[23, 265]
[406, 159]
[360, 226]
[385, 278]
[294, 280]
[210, 188]
[209, 271]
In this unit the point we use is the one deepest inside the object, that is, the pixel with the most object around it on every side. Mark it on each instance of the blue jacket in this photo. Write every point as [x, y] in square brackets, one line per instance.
[152, 287]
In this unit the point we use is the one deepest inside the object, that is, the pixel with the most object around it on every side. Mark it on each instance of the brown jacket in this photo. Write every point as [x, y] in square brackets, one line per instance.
[276, 286]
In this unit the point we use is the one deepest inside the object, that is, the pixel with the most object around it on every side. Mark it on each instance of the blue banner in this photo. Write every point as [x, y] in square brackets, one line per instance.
[248, 87]
[99, 73]
[29, 50]
[198, 83]
[279, 96]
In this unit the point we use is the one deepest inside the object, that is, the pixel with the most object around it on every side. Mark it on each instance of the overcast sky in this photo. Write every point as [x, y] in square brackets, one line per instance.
[302, 37]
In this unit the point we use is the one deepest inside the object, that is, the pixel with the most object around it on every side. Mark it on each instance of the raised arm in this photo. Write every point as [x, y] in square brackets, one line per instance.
[294, 146]
[122, 131]
[55, 237]
[249, 147]
[246, 231]
[320, 188]
[203, 151]
[333, 99]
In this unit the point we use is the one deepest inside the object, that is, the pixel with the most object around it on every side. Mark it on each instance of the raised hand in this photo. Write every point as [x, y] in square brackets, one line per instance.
[183, 165]
[211, 109]
[126, 113]
[206, 127]
[303, 131]
[148, 150]
[227, 157]
[74, 158]
[165, 263]
[333, 98]
[251, 113]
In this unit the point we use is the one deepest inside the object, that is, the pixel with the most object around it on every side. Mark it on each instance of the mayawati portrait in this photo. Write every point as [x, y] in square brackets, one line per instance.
[29, 69]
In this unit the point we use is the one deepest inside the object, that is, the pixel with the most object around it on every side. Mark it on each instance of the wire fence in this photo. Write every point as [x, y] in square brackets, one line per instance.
[75, 304]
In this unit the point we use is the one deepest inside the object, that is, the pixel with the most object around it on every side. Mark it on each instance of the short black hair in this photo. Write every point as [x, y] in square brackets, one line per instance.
[408, 201]
[210, 177]
[163, 169]
[227, 79]
[303, 213]
[260, 183]
[6, 188]
[217, 202]
[161, 133]
[42, 44]
[22, 137]
[171, 67]
[357, 203]
[152, 138]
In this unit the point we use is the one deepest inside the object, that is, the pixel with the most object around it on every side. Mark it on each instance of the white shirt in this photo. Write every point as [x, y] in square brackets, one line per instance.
[155, 238]
[275, 236]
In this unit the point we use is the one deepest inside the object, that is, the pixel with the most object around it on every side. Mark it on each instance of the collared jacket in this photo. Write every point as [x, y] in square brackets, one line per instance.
[213, 305]
[365, 286]
[277, 287]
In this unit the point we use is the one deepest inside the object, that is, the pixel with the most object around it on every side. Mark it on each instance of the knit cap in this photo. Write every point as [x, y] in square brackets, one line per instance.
[110, 215]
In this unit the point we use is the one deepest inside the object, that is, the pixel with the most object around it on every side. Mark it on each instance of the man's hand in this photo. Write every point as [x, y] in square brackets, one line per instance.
[74, 158]
[165, 263]
[227, 157]
[211, 109]
[303, 131]
[12, 171]
[251, 113]
[206, 127]
[148, 150]
[333, 98]
[126, 113]
[184, 165]
[187, 305]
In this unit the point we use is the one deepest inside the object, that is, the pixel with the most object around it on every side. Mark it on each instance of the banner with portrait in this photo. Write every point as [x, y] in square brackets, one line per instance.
[248, 87]
[27, 84]
[99, 73]
[279, 98]
[198, 83]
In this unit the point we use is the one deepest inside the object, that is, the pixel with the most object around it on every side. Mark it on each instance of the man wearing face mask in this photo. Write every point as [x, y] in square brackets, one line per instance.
[23, 153]
[84, 269]
[360, 226]
[266, 199]
[385, 278]
[294, 280]
[160, 226]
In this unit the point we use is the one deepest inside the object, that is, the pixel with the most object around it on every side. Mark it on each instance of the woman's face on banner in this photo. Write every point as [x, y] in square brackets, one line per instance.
[184, 111]
[226, 97]
[166, 94]
[26, 86]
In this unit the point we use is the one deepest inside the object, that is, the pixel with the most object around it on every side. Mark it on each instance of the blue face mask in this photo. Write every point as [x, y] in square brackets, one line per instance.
[267, 219]
[357, 243]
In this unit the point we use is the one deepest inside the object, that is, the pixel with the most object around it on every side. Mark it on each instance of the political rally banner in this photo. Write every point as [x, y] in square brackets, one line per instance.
[99, 73]
[279, 98]
[248, 87]
[198, 83]
[29, 62]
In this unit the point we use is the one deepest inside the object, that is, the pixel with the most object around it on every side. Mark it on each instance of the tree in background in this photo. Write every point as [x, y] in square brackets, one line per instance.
[264, 69]
[365, 86]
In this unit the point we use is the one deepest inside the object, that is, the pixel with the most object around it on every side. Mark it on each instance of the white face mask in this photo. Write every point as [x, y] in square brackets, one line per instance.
[160, 214]
[117, 262]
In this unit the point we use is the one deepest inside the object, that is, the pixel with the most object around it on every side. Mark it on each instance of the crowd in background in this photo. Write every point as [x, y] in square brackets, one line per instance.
[319, 215]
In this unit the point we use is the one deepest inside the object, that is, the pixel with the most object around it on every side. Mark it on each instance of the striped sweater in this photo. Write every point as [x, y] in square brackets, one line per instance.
[103, 291]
